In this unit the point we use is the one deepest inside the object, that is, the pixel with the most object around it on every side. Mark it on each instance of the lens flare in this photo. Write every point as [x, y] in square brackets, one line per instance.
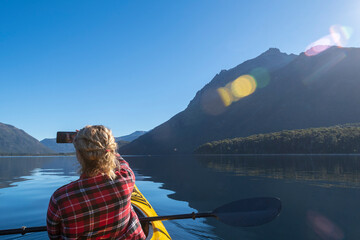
[339, 36]
[324, 227]
[216, 101]
[225, 96]
[243, 86]
[312, 78]
[319, 46]
[261, 76]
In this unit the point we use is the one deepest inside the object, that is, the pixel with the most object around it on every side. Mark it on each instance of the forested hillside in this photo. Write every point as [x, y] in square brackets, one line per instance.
[337, 139]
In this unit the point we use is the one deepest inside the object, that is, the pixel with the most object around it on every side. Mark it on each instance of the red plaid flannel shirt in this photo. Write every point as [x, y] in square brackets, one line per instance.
[95, 208]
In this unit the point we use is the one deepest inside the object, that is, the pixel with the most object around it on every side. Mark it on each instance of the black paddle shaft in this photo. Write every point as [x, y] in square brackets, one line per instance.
[193, 215]
[23, 230]
[178, 216]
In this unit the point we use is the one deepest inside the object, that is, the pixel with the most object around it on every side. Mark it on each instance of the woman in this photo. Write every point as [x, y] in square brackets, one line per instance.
[98, 204]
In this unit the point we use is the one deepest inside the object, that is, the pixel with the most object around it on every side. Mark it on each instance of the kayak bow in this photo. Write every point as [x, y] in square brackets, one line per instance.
[153, 230]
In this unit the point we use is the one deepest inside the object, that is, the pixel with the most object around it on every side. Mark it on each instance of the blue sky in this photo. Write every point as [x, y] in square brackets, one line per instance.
[132, 65]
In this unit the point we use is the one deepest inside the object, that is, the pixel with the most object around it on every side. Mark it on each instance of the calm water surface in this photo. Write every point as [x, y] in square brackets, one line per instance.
[320, 194]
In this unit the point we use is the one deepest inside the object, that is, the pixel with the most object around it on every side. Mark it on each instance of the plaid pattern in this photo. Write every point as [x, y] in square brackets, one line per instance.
[95, 208]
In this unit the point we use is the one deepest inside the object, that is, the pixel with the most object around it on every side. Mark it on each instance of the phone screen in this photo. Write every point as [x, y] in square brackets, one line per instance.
[65, 137]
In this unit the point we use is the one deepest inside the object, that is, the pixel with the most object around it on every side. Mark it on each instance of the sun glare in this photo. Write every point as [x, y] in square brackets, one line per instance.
[339, 36]
[243, 86]
[261, 76]
[225, 96]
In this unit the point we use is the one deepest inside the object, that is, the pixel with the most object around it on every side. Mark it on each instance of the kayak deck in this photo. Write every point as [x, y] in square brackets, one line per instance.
[153, 230]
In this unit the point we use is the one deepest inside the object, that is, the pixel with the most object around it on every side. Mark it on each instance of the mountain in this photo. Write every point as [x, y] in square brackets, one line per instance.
[69, 147]
[15, 141]
[122, 143]
[130, 137]
[58, 147]
[293, 92]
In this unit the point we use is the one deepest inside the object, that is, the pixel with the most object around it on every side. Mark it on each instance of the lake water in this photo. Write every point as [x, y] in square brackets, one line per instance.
[320, 194]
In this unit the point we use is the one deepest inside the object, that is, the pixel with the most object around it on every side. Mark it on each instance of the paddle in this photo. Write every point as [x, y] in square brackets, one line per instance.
[241, 213]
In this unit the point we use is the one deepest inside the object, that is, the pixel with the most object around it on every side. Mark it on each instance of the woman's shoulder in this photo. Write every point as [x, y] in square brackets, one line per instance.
[65, 189]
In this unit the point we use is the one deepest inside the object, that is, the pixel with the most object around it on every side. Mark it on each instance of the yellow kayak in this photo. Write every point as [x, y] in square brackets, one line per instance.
[153, 230]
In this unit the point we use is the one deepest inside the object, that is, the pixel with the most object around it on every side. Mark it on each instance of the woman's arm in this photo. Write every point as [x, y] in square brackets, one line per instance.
[124, 165]
[53, 220]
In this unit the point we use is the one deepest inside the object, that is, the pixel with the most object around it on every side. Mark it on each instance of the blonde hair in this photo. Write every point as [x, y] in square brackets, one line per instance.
[96, 151]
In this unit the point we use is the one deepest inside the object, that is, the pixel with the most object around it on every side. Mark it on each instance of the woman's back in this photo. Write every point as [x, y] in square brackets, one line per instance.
[95, 207]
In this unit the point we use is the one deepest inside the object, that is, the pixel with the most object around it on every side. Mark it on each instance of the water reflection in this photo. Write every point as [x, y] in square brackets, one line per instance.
[28, 182]
[13, 169]
[26, 186]
[301, 182]
[182, 184]
[323, 170]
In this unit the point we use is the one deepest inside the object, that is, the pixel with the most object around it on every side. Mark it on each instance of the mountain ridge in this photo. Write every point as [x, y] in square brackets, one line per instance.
[16, 141]
[302, 92]
[131, 137]
[69, 147]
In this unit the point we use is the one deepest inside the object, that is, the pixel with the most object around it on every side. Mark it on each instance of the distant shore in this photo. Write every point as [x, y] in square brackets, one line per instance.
[341, 139]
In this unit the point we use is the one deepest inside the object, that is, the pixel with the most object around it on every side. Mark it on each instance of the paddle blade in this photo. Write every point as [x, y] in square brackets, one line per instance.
[249, 212]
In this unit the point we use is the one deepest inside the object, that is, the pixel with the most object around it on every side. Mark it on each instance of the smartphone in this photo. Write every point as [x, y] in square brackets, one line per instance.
[65, 137]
